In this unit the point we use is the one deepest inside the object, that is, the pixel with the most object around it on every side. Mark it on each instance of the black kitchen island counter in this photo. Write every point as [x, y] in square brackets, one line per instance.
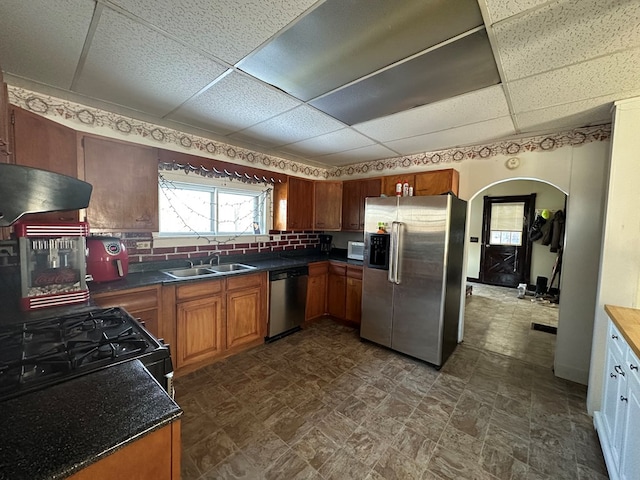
[57, 431]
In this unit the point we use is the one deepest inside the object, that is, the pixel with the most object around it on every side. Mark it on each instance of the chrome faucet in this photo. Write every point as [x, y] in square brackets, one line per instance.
[216, 258]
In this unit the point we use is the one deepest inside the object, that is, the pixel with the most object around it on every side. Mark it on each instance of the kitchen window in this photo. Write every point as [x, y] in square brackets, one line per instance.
[205, 207]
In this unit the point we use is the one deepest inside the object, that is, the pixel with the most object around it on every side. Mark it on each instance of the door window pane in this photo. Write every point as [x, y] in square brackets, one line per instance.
[507, 220]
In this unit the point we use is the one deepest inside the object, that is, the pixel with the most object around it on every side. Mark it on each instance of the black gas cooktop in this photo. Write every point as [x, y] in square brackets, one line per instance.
[38, 354]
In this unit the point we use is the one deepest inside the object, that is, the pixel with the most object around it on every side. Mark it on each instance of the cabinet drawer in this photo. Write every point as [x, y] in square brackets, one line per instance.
[337, 268]
[616, 341]
[130, 300]
[318, 268]
[354, 272]
[245, 281]
[200, 289]
[633, 364]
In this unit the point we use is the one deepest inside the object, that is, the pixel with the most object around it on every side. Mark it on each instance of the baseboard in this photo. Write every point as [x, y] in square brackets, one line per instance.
[570, 373]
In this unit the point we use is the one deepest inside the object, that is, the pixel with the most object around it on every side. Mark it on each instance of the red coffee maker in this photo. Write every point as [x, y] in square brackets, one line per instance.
[107, 259]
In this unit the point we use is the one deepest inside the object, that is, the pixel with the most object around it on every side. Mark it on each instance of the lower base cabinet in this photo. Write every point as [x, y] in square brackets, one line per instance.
[142, 303]
[344, 292]
[618, 421]
[155, 456]
[317, 290]
[353, 308]
[246, 310]
[199, 330]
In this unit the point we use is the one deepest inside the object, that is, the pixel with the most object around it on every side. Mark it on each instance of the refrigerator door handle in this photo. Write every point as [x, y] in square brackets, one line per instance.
[395, 250]
[392, 248]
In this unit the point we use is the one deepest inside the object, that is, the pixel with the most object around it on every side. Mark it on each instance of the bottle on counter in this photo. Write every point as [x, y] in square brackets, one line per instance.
[405, 189]
[411, 191]
[399, 189]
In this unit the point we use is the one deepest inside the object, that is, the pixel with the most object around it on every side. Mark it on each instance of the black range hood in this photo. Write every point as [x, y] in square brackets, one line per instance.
[31, 190]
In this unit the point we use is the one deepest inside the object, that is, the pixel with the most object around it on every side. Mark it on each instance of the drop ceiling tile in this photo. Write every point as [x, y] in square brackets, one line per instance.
[364, 154]
[359, 36]
[129, 64]
[345, 139]
[462, 66]
[563, 117]
[293, 126]
[471, 107]
[608, 75]
[43, 40]
[500, 9]
[233, 103]
[228, 29]
[466, 135]
[564, 33]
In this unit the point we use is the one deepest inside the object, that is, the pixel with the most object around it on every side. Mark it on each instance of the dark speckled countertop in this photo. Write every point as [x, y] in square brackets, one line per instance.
[55, 432]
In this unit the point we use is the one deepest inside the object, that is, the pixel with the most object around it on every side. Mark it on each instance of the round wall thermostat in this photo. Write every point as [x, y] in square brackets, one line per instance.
[512, 163]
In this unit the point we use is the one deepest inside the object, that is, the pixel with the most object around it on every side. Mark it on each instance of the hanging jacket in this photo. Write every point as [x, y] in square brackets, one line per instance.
[535, 232]
[555, 235]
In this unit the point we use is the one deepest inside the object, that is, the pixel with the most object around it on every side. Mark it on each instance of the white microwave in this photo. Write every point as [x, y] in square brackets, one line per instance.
[355, 250]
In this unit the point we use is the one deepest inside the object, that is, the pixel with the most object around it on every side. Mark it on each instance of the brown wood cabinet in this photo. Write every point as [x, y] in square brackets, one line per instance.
[437, 182]
[353, 308]
[125, 185]
[293, 205]
[336, 291]
[143, 303]
[200, 322]
[42, 143]
[246, 310]
[317, 290]
[155, 456]
[327, 206]
[5, 144]
[389, 183]
[354, 193]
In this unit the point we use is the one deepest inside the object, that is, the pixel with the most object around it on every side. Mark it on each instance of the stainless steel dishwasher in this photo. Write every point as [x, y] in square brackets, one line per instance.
[287, 301]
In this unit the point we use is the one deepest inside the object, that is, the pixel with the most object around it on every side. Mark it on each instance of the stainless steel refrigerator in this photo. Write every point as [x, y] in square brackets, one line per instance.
[412, 276]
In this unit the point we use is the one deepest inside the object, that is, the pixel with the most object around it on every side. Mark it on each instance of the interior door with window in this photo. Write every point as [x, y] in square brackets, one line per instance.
[506, 248]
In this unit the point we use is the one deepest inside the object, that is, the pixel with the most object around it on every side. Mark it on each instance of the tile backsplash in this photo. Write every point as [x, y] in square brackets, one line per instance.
[279, 241]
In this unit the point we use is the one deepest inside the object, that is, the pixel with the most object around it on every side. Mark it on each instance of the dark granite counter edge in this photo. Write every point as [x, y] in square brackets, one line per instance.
[55, 432]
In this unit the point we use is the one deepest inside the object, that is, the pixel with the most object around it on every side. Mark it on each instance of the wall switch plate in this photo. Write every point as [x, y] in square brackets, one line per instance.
[143, 245]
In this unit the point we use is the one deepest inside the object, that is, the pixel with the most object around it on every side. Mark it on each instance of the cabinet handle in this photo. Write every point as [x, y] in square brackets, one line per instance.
[633, 367]
[623, 399]
[619, 370]
[613, 375]
[614, 336]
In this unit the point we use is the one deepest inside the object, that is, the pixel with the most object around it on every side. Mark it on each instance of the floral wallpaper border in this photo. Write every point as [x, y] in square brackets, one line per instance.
[126, 126]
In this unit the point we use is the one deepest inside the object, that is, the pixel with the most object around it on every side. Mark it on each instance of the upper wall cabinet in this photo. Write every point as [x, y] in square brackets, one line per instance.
[4, 122]
[125, 185]
[42, 143]
[293, 205]
[354, 193]
[389, 183]
[327, 206]
[437, 182]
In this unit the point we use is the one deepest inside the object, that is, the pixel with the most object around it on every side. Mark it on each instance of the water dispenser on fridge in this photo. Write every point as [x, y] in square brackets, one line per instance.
[377, 250]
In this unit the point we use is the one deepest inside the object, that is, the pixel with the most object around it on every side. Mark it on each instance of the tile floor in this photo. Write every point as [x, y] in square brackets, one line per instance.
[321, 404]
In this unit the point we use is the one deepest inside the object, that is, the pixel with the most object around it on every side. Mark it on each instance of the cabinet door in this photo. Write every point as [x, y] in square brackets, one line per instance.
[327, 205]
[337, 290]
[300, 204]
[369, 188]
[316, 296]
[351, 198]
[629, 456]
[612, 408]
[244, 316]
[437, 182]
[4, 123]
[42, 143]
[141, 303]
[199, 330]
[125, 185]
[354, 294]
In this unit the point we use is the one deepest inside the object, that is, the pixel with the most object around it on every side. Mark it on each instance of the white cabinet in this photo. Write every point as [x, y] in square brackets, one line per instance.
[630, 448]
[618, 423]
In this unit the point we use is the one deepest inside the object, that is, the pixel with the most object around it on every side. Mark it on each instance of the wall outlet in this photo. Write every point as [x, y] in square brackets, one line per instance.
[143, 245]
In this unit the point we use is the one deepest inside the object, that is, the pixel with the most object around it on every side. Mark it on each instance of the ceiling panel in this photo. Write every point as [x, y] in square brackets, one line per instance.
[468, 108]
[456, 68]
[233, 103]
[528, 47]
[501, 9]
[293, 126]
[43, 41]
[576, 114]
[603, 76]
[345, 139]
[131, 65]
[460, 136]
[364, 154]
[361, 36]
[228, 29]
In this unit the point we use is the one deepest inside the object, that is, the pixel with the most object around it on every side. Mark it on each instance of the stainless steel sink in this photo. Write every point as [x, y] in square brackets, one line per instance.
[231, 267]
[202, 271]
[190, 272]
